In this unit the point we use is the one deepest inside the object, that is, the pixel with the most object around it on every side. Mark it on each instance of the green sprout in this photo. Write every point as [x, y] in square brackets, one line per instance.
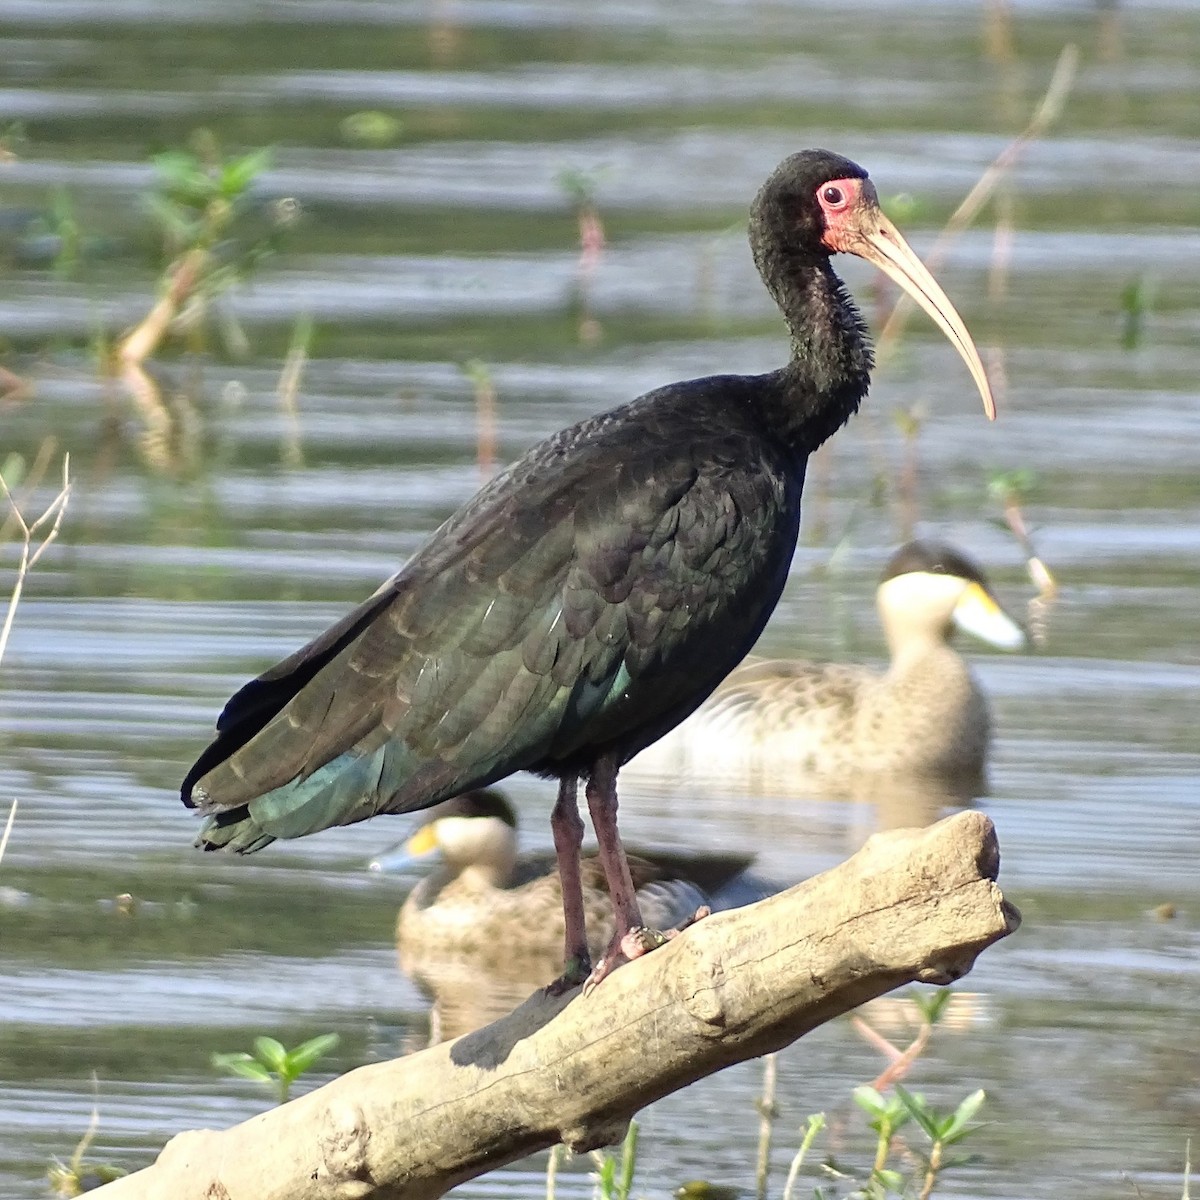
[370, 128]
[885, 1115]
[943, 1130]
[272, 1063]
[613, 1177]
[1138, 298]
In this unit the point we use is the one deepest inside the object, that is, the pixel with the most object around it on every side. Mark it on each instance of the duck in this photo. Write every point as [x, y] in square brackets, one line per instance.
[827, 726]
[500, 908]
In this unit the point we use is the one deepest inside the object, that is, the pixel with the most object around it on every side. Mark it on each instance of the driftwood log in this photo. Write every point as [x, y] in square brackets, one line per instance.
[911, 905]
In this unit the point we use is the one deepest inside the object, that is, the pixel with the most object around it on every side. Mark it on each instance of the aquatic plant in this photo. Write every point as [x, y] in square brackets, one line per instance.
[272, 1063]
[1138, 298]
[73, 1178]
[613, 1177]
[887, 1114]
[213, 237]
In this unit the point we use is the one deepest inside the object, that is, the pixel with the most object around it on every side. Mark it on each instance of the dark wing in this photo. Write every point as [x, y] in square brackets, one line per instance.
[543, 620]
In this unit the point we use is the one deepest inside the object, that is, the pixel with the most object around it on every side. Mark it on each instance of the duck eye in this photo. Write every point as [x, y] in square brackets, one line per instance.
[833, 196]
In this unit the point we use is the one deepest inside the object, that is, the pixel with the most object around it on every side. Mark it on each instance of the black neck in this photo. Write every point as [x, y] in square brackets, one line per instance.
[824, 383]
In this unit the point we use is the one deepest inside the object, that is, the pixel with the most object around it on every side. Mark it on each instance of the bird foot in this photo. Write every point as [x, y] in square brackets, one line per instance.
[578, 969]
[634, 943]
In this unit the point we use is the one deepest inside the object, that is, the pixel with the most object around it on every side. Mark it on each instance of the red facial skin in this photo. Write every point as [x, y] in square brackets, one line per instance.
[845, 202]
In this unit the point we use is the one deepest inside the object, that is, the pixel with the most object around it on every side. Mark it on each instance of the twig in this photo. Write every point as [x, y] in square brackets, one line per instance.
[900, 1060]
[12, 816]
[815, 1124]
[485, 415]
[289, 388]
[933, 1167]
[13, 388]
[1047, 112]
[767, 1112]
[30, 554]
[31, 480]
[552, 1162]
[1008, 493]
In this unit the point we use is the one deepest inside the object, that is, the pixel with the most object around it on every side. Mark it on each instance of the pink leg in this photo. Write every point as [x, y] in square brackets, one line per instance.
[567, 828]
[630, 939]
[602, 803]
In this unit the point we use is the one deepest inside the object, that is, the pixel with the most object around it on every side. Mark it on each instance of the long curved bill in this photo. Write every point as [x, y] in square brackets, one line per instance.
[877, 240]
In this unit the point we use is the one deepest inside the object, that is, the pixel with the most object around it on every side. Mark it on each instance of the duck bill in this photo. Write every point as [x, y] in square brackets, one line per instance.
[408, 854]
[978, 614]
[880, 242]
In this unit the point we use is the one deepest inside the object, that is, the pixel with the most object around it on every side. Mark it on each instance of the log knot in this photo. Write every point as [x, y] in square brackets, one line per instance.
[343, 1141]
[703, 994]
[592, 1134]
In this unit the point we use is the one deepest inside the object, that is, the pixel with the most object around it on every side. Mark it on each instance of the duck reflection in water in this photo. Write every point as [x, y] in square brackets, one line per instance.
[484, 928]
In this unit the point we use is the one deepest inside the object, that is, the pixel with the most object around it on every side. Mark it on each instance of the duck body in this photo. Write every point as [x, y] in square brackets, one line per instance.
[464, 914]
[827, 722]
[786, 723]
[486, 903]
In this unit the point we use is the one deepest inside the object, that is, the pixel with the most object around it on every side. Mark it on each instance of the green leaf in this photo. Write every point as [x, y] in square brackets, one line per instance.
[606, 1176]
[272, 1053]
[238, 174]
[893, 1181]
[628, 1161]
[13, 470]
[867, 1098]
[903, 207]
[1005, 484]
[174, 219]
[183, 177]
[932, 1004]
[920, 1111]
[176, 167]
[477, 372]
[704, 1189]
[242, 1064]
[370, 128]
[303, 1056]
[956, 1129]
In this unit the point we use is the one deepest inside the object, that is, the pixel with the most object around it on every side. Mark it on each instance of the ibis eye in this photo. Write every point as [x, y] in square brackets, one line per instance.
[833, 195]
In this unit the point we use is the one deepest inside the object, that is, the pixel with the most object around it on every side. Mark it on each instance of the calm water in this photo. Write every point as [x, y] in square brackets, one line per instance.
[456, 240]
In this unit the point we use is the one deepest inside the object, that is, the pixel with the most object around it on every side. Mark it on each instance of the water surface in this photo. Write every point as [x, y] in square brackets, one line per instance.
[456, 242]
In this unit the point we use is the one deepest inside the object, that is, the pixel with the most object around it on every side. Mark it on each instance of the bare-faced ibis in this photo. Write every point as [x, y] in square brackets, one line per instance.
[587, 600]
[829, 726]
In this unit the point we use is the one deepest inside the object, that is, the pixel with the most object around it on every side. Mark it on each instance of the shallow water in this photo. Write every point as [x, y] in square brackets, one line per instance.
[458, 242]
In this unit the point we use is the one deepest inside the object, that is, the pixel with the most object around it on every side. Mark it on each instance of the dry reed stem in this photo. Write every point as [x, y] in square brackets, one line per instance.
[29, 554]
[30, 482]
[14, 388]
[12, 816]
[1046, 113]
[289, 389]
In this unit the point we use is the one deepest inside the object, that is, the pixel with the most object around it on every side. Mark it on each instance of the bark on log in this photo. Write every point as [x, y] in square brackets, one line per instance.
[911, 905]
